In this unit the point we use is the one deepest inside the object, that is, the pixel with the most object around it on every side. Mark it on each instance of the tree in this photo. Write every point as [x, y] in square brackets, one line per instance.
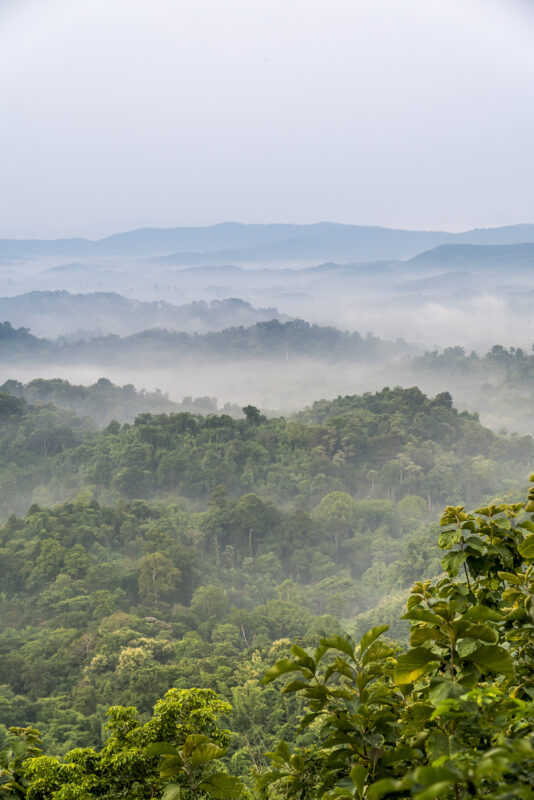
[253, 415]
[453, 716]
[128, 766]
[158, 578]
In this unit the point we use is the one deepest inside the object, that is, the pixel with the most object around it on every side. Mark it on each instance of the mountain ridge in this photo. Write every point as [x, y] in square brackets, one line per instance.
[323, 239]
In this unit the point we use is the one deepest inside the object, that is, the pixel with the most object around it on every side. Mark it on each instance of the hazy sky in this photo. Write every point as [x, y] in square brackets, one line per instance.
[116, 114]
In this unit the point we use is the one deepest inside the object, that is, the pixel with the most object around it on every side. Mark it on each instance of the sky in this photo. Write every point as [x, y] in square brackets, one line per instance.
[117, 114]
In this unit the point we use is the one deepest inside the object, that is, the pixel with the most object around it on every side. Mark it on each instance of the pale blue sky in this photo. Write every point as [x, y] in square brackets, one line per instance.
[116, 114]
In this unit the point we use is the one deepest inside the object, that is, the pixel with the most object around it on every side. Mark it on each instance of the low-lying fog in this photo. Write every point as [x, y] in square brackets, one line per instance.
[461, 294]
[433, 303]
[285, 386]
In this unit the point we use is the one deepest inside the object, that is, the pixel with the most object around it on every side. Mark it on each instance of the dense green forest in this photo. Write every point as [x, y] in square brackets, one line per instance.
[499, 384]
[186, 552]
[272, 339]
[103, 401]
[394, 443]
[451, 716]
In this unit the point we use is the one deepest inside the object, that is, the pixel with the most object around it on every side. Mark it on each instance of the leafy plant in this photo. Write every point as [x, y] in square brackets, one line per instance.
[452, 717]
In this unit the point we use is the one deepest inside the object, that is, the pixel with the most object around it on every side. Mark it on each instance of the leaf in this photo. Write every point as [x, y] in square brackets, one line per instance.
[526, 548]
[358, 776]
[509, 577]
[396, 754]
[434, 792]
[222, 786]
[452, 562]
[341, 643]
[280, 668]
[479, 613]
[376, 652]
[423, 634]
[383, 787]
[526, 525]
[493, 657]
[294, 686]
[423, 615]
[369, 637]
[481, 632]
[449, 538]
[172, 792]
[413, 664]
[171, 766]
[192, 741]
[475, 543]
[207, 751]
[429, 776]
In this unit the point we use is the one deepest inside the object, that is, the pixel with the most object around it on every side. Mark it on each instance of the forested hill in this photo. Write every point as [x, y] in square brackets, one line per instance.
[272, 339]
[186, 549]
[104, 401]
[393, 443]
[54, 313]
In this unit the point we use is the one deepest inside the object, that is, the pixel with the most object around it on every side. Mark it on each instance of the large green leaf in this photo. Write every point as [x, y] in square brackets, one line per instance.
[369, 637]
[207, 751]
[452, 562]
[423, 615]
[494, 658]
[479, 613]
[526, 548]
[383, 787]
[358, 776]
[280, 668]
[413, 664]
[221, 786]
[172, 792]
[435, 792]
[335, 642]
[194, 740]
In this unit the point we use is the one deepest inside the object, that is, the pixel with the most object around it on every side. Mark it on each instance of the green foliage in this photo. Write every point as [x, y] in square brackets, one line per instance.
[453, 716]
[22, 744]
[128, 764]
[395, 444]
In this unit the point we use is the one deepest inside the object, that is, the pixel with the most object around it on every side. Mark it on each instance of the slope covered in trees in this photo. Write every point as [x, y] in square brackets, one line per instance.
[450, 716]
[393, 443]
[272, 339]
[186, 548]
[103, 401]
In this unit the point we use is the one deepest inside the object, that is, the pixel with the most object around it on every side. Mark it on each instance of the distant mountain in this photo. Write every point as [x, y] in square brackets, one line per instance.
[519, 256]
[62, 313]
[236, 242]
[446, 280]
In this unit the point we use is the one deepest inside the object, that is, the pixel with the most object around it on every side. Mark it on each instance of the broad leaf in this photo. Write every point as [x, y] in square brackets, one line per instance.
[526, 548]
[172, 792]
[207, 751]
[280, 668]
[221, 786]
[369, 637]
[383, 787]
[413, 664]
[493, 657]
[358, 776]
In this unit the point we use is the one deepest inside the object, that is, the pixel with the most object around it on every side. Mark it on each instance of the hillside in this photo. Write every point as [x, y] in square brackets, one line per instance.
[272, 339]
[57, 313]
[496, 256]
[392, 443]
[184, 544]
